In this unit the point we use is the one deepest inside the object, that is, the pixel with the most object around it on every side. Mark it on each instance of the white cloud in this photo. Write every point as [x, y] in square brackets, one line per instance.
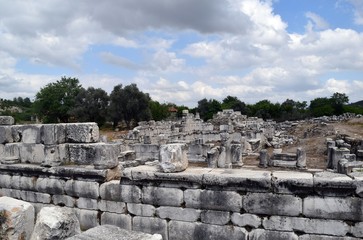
[358, 11]
[318, 21]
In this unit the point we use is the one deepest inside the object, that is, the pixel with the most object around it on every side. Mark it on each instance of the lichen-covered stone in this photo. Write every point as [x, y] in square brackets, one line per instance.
[82, 133]
[173, 157]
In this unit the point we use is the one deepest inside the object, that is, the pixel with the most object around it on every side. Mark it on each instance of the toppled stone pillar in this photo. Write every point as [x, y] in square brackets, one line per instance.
[264, 158]
[301, 158]
[6, 120]
[55, 223]
[173, 157]
[16, 219]
[212, 157]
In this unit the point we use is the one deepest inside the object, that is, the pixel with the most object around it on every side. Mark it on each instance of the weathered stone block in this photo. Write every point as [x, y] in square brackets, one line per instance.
[6, 120]
[264, 158]
[138, 209]
[333, 184]
[189, 231]
[357, 230]
[28, 183]
[11, 153]
[87, 203]
[301, 158]
[55, 155]
[121, 220]
[35, 197]
[111, 206]
[213, 200]
[343, 208]
[52, 134]
[272, 204]
[246, 219]
[173, 157]
[5, 181]
[261, 234]
[106, 156]
[87, 218]
[55, 223]
[292, 182]
[17, 219]
[82, 132]
[306, 225]
[324, 237]
[31, 133]
[215, 217]
[162, 196]
[31, 153]
[177, 213]
[5, 135]
[50, 185]
[64, 200]
[82, 189]
[150, 225]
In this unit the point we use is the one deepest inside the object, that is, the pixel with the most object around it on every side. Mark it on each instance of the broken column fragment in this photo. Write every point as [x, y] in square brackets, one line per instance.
[264, 158]
[300, 158]
[173, 157]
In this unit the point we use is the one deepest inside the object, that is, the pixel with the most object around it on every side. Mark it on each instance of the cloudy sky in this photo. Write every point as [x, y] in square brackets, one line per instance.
[185, 50]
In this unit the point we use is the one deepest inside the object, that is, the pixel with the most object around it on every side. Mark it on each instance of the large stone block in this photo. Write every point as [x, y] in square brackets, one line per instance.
[82, 133]
[50, 185]
[82, 189]
[111, 206]
[6, 120]
[28, 183]
[121, 220]
[333, 184]
[213, 200]
[55, 223]
[52, 134]
[272, 204]
[31, 153]
[334, 208]
[113, 191]
[190, 231]
[35, 197]
[150, 225]
[162, 196]
[17, 219]
[87, 218]
[87, 203]
[292, 182]
[55, 155]
[306, 225]
[11, 153]
[246, 219]
[215, 217]
[138, 209]
[261, 234]
[5, 181]
[31, 133]
[64, 200]
[173, 157]
[5, 135]
[357, 230]
[177, 213]
[106, 156]
[324, 237]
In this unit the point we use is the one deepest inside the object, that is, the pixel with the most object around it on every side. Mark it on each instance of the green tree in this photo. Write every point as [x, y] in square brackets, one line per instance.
[91, 105]
[54, 102]
[158, 111]
[293, 110]
[207, 108]
[321, 107]
[266, 110]
[234, 103]
[338, 100]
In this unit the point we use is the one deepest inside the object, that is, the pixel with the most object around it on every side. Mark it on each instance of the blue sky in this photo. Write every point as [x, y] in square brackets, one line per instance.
[183, 51]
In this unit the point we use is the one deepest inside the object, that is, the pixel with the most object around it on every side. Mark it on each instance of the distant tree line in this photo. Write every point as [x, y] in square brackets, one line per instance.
[67, 101]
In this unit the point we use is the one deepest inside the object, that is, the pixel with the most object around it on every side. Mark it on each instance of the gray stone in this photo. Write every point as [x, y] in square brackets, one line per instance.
[18, 217]
[82, 133]
[53, 134]
[264, 158]
[333, 184]
[31, 133]
[301, 158]
[127, 156]
[11, 153]
[121, 220]
[212, 157]
[55, 155]
[213, 200]
[87, 218]
[246, 219]
[177, 213]
[5, 135]
[306, 225]
[337, 154]
[108, 232]
[214, 217]
[5, 181]
[6, 120]
[162, 196]
[138, 209]
[111, 206]
[150, 225]
[190, 231]
[261, 234]
[64, 200]
[272, 204]
[173, 157]
[292, 182]
[324, 237]
[357, 230]
[82, 189]
[87, 203]
[55, 223]
[35, 197]
[344, 208]
[50, 185]
[31, 153]
[106, 156]
[236, 154]
[28, 183]
[113, 191]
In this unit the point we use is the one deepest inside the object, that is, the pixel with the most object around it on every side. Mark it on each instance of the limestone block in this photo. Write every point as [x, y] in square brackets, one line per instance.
[6, 120]
[5, 181]
[357, 230]
[212, 157]
[108, 232]
[236, 154]
[337, 154]
[28, 183]
[82, 133]
[111, 206]
[272, 204]
[173, 157]
[5, 135]
[87, 218]
[306, 225]
[324, 237]
[64, 200]
[55, 223]
[215, 217]
[162, 196]
[292, 182]
[35, 197]
[87, 203]
[55, 155]
[177, 213]
[127, 156]
[106, 156]
[261, 234]
[31, 153]
[17, 219]
[82, 189]
[50, 185]
[11, 153]
[264, 158]
[13, 193]
[301, 158]
[333, 184]
[52, 134]
[16, 132]
[15, 182]
[121, 220]
[246, 219]
[111, 191]
[190, 231]
[344, 208]
[213, 200]
[31, 133]
[150, 225]
[138, 209]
